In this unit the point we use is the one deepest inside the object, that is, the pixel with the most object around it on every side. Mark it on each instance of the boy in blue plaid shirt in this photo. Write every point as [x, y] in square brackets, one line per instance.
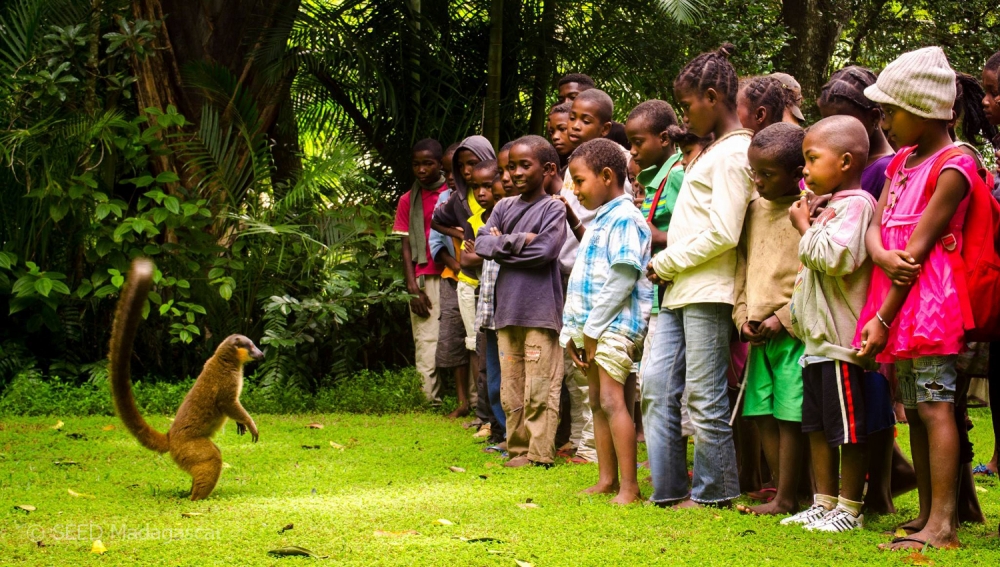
[607, 304]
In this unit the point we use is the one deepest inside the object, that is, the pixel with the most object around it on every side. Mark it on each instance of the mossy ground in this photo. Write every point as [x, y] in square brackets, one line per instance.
[361, 504]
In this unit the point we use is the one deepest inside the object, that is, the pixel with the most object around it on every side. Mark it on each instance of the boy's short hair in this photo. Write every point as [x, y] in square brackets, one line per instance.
[578, 78]
[506, 147]
[429, 145]
[844, 134]
[541, 149]
[490, 164]
[657, 115]
[600, 153]
[605, 105]
[782, 142]
[450, 150]
[561, 108]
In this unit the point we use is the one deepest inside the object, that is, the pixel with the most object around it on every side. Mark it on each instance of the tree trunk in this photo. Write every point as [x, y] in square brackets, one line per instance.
[815, 27]
[491, 115]
[225, 32]
[543, 70]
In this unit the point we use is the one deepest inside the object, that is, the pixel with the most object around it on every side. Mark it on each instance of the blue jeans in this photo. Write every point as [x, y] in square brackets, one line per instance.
[690, 349]
[493, 381]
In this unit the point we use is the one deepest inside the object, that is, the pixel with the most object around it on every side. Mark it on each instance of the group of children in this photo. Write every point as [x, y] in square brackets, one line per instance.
[629, 282]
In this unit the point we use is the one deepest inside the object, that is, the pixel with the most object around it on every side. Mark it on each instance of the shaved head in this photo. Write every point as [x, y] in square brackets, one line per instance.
[843, 134]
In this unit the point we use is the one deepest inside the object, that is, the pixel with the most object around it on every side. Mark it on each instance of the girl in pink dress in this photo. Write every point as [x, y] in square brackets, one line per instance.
[913, 317]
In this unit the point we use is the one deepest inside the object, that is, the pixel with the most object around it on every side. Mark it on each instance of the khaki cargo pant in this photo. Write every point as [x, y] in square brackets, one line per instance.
[425, 339]
[531, 368]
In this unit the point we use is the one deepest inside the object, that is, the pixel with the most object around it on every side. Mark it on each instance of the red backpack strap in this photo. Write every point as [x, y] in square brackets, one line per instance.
[898, 160]
[935, 172]
[656, 197]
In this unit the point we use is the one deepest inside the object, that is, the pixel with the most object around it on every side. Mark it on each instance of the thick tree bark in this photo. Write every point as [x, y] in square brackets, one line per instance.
[815, 26]
[491, 116]
[225, 32]
[543, 70]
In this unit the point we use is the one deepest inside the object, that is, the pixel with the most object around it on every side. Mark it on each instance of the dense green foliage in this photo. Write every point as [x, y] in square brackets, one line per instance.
[266, 193]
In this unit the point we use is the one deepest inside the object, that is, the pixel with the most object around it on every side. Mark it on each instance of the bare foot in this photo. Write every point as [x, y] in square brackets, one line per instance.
[773, 508]
[460, 411]
[919, 540]
[601, 488]
[626, 497]
[911, 527]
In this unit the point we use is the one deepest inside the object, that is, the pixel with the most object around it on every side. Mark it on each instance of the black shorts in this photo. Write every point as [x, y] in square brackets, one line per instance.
[833, 401]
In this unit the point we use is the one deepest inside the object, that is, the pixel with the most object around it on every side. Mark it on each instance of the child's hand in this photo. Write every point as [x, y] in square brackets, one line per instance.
[494, 231]
[769, 328]
[748, 333]
[652, 276]
[899, 266]
[798, 213]
[589, 347]
[529, 237]
[421, 305]
[874, 336]
[469, 247]
[578, 357]
[817, 204]
[563, 200]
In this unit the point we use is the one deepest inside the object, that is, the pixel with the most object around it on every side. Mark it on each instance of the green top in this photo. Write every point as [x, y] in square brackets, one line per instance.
[650, 178]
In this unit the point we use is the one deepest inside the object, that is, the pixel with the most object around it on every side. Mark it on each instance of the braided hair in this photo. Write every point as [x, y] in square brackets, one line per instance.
[767, 92]
[969, 109]
[711, 70]
[848, 85]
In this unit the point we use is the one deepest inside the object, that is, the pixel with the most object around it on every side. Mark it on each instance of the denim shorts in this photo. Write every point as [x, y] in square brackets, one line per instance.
[927, 379]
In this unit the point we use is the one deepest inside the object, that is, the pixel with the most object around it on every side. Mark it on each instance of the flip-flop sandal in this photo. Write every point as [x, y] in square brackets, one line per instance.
[764, 495]
[923, 544]
[746, 510]
[493, 449]
[982, 470]
[578, 461]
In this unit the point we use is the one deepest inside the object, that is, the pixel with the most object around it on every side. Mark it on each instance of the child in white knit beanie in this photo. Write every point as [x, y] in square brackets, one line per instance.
[918, 323]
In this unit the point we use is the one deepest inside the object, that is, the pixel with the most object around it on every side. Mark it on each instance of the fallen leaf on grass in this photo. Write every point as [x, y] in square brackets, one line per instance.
[315, 426]
[108, 428]
[76, 494]
[382, 533]
[746, 533]
[76, 436]
[523, 563]
[483, 540]
[526, 505]
[483, 476]
[66, 463]
[294, 551]
[900, 533]
[190, 514]
[98, 548]
[336, 445]
[26, 507]
[917, 558]
[456, 469]
[227, 466]
[310, 446]
[40, 543]
[286, 528]
[443, 522]
[59, 425]
[981, 489]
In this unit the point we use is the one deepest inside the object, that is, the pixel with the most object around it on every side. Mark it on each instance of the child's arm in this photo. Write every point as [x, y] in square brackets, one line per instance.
[898, 265]
[445, 257]
[731, 190]
[525, 249]
[574, 221]
[740, 317]
[951, 188]
[836, 248]
[610, 301]
[421, 304]
[445, 221]
[469, 257]
[659, 236]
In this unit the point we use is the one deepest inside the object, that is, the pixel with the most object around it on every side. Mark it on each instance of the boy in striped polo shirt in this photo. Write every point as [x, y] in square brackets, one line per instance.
[604, 319]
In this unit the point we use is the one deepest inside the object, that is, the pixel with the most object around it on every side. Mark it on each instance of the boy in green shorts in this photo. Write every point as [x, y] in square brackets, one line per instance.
[766, 266]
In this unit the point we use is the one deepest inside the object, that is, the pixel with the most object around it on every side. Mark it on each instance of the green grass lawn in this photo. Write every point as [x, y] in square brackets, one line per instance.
[377, 502]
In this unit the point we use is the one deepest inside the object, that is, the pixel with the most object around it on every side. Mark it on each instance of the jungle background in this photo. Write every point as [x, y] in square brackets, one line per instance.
[255, 149]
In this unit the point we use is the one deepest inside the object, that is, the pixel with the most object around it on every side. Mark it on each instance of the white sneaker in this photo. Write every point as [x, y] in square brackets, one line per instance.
[807, 516]
[836, 521]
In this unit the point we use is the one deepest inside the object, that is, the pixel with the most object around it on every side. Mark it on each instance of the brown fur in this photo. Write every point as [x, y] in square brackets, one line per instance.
[214, 397]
